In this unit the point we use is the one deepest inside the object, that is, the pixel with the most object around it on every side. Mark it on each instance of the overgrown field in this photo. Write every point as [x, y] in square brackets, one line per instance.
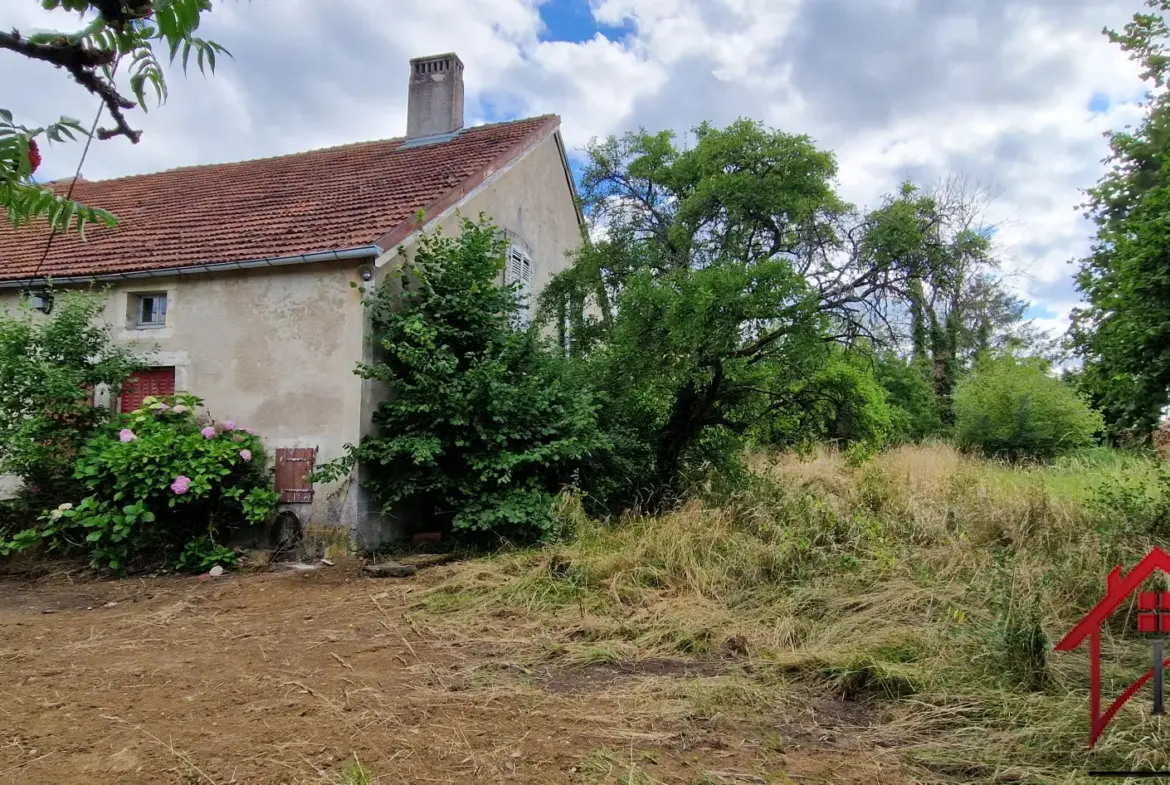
[923, 587]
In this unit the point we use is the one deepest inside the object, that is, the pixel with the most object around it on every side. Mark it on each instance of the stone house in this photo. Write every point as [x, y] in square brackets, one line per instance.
[238, 275]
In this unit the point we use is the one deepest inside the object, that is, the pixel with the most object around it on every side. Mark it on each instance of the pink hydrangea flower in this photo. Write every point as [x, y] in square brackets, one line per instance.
[208, 432]
[246, 455]
[247, 430]
[179, 486]
[162, 407]
[126, 435]
[229, 425]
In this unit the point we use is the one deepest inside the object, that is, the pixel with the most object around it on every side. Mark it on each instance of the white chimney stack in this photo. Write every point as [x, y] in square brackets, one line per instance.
[435, 103]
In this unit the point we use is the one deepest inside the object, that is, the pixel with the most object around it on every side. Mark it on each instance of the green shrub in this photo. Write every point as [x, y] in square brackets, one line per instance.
[839, 403]
[202, 553]
[49, 368]
[914, 410]
[1133, 506]
[160, 482]
[1014, 409]
[484, 425]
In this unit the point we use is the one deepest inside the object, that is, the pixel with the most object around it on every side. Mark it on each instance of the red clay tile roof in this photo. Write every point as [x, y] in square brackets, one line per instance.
[323, 200]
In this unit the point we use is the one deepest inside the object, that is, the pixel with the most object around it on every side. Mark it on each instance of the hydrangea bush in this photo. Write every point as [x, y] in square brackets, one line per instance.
[162, 485]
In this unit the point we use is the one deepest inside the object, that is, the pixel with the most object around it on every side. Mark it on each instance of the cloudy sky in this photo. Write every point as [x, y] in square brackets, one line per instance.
[1014, 94]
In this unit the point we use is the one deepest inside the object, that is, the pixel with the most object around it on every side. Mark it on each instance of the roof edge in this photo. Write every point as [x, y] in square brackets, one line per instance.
[572, 183]
[394, 237]
[362, 252]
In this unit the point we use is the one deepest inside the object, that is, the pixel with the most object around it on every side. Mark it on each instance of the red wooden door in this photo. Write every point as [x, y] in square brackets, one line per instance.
[144, 383]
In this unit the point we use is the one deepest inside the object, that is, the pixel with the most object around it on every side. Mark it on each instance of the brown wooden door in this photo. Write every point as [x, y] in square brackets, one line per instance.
[293, 465]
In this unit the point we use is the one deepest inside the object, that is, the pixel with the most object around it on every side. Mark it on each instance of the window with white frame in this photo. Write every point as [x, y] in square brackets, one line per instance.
[519, 271]
[150, 309]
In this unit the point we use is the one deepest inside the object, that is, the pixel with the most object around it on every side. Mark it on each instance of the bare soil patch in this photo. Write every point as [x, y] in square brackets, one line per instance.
[600, 676]
[286, 677]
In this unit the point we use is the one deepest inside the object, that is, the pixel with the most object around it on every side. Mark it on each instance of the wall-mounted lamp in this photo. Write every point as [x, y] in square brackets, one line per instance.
[41, 301]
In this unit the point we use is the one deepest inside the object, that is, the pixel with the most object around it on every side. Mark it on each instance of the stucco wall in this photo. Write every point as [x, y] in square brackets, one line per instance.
[272, 349]
[533, 203]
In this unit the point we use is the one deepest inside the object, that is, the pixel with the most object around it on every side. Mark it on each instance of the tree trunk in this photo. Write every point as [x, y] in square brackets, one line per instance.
[690, 413]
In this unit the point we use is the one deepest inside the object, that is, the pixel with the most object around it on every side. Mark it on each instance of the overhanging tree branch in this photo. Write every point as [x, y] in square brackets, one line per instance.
[114, 31]
[83, 64]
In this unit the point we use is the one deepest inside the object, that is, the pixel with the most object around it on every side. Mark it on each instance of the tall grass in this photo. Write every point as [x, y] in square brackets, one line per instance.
[925, 583]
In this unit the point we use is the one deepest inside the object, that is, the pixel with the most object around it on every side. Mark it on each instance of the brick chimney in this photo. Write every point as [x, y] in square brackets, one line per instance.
[435, 103]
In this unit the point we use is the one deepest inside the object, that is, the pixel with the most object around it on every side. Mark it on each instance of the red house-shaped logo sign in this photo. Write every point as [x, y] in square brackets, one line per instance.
[1153, 616]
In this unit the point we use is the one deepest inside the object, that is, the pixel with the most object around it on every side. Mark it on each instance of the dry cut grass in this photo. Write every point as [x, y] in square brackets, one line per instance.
[924, 588]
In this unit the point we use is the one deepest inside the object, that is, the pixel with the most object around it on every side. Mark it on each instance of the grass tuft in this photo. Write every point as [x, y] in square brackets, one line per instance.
[356, 774]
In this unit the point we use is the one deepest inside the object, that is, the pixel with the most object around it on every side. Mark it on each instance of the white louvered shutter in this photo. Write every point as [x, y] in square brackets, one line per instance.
[515, 271]
[520, 272]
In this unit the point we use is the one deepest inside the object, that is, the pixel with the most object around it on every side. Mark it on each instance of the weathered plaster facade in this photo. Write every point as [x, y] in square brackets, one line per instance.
[272, 349]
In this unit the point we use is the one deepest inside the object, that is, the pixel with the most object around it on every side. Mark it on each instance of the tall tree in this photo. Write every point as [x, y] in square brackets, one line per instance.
[1123, 333]
[725, 269]
[957, 303]
[115, 33]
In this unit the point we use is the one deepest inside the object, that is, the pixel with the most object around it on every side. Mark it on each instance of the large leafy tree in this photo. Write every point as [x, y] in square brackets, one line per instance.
[724, 272]
[1123, 333]
[115, 36]
[719, 280]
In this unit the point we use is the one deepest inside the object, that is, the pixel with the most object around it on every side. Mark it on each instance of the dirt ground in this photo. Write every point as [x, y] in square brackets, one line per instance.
[285, 677]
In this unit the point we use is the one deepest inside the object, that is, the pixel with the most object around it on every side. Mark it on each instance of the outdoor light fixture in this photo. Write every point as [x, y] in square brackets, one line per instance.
[41, 301]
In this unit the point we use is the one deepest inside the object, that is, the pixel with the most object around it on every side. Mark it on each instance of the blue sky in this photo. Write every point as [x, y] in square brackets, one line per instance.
[1099, 103]
[573, 21]
[1012, 95]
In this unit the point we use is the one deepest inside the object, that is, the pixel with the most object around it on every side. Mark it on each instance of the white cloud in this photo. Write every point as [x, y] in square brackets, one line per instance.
[554, 68]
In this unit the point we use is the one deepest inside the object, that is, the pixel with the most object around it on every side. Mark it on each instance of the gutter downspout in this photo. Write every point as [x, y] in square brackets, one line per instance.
[363, 252]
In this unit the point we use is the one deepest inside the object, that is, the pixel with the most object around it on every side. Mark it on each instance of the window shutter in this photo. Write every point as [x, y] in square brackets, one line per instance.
[293, 465]
[526, 288]
[515, 271]
[149, 381]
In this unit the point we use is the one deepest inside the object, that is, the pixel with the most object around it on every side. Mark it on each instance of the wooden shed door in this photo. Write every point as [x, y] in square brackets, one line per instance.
[148, 381]
[293, 465]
